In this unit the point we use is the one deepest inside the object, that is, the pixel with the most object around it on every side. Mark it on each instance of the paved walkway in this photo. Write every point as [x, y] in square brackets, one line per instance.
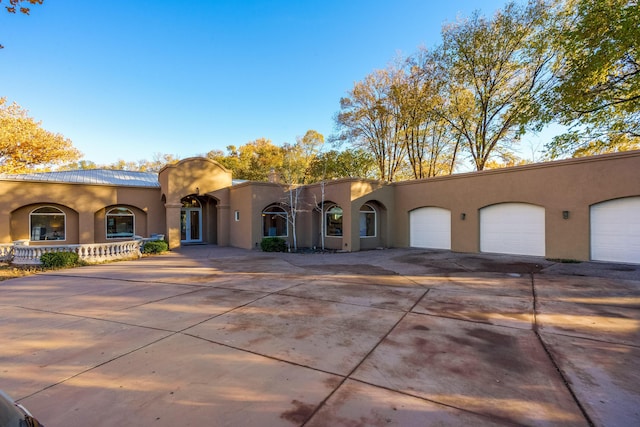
[226, 337]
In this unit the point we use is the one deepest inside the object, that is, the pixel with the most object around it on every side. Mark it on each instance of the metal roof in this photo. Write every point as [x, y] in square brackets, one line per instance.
[90, 176]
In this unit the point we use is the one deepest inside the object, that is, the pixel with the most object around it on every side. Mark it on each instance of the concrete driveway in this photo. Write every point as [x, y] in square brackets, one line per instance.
[226, 337]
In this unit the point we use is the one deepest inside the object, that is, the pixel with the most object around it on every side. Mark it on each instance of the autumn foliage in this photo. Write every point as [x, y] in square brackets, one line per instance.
[25, 145]
[16, 5]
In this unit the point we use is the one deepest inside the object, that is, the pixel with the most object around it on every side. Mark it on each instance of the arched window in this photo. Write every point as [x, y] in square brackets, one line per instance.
[274, 222]
[367, 221]
[333, 218]
[120, 223]
[190, 202]
[47, 223]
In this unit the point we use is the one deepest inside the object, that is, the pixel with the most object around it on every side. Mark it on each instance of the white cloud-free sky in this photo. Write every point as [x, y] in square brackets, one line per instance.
[125, 80]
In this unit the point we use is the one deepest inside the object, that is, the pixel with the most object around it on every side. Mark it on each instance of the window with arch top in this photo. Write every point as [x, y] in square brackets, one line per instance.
[120, 223]
[367, 221]
[333, 218]
[47, 223]
[274, 222]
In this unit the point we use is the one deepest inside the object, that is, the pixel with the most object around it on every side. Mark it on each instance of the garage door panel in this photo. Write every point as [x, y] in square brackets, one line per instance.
[615, 230]
[430, 228]
[513, 228]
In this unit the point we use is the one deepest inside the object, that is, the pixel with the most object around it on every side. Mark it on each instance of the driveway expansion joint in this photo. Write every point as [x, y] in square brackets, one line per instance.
[258, 343]
[552, 359]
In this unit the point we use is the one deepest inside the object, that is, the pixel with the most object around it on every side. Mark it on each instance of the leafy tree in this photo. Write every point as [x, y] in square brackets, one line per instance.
[506, 159]
[295, 172]
[431, 146]
[158, 161]
[614, 142]
[368, 119]
[17, 5]
[25, 145]
[494, 71]
[298, 158]
[252, 161]
[348, 163]
[144, 165]
[597, 68]
[79, 165]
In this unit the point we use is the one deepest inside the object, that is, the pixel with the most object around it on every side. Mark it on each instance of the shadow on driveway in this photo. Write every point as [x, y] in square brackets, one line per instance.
[403, 337]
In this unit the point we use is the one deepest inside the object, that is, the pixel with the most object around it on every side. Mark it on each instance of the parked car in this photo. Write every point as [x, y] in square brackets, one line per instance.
[12, 414]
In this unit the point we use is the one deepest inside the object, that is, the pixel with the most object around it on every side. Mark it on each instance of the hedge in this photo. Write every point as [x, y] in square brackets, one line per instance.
[273, 244]
[59, 259]
[155, 247]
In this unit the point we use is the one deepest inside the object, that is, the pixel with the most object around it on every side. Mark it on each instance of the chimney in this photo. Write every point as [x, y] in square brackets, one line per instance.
[274, 177]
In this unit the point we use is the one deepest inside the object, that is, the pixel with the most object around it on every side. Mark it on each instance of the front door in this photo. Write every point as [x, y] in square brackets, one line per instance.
[191, 225]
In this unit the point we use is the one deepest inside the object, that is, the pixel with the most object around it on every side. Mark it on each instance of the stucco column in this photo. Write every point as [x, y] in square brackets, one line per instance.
[348, 228]
[224, 224]
[86, 227]
[172, 215]
[5, 227]
[354, 218]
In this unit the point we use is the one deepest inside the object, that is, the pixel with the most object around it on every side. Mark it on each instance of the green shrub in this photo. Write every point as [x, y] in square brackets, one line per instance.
[59, 259]
[273, 244]
[155, 247]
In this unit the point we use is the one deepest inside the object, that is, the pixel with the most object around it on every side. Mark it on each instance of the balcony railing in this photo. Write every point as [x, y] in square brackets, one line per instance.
[22, 254]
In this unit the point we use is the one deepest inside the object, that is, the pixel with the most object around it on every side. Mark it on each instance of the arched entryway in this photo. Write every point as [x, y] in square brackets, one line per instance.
[371, 222]
[191, 220]
[198, 219]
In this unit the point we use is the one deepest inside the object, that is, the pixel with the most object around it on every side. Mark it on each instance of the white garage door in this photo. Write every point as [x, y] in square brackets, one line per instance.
[615, 230]
[430, 228]
[512, 228]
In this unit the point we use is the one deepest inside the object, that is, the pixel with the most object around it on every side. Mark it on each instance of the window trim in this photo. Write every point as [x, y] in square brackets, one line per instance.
[328, 212]
[59, 212]
[375, 220]
[106, 223]
[283, 214]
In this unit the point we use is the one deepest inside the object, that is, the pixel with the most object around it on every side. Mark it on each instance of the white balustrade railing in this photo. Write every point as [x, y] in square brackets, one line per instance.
[101, 252]
[30, 255]
[91, 252]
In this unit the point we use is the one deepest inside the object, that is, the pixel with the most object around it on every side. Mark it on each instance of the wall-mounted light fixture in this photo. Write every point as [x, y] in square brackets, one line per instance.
[565, 214]
[463, 216]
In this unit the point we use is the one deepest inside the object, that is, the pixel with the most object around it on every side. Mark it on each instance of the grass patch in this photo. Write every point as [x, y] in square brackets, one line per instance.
[10, 272]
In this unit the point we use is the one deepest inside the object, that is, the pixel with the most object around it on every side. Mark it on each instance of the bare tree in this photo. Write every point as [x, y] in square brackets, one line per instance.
[368, 119]
[295, 170]
[431, 147]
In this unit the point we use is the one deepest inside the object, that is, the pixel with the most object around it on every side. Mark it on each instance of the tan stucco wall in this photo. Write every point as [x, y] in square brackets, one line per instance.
[192, 176]
[572, 185]
[336, 192]
[380, 197]
[569, 185]
[249, 200]
[223, 218]
[81, 203]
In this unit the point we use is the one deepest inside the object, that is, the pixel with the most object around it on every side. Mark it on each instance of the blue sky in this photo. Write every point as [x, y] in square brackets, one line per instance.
[125, 80]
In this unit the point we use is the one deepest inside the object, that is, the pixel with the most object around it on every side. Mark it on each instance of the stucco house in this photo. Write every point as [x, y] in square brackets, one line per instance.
[581, 209]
